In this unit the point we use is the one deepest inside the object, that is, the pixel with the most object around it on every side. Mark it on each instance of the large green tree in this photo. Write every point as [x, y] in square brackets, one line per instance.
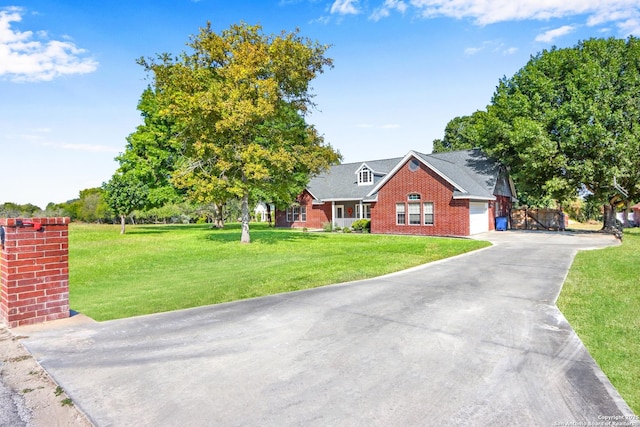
[569, 121]
[461, 133]
[239, 99]
[152, 153]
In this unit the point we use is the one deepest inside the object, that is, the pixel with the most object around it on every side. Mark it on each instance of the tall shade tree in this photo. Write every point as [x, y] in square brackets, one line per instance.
[569, 121]
[152, 153]
[239, 99]
[461, 133]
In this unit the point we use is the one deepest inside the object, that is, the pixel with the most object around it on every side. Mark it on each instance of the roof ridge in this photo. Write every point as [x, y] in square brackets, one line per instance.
[370, 160]
[435, 156]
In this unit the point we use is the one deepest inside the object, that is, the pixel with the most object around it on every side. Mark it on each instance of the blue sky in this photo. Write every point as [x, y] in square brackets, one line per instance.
[69, 84]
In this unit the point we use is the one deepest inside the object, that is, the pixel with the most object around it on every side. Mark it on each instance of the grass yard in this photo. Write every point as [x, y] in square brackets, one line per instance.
[167, 267]
[601, 300]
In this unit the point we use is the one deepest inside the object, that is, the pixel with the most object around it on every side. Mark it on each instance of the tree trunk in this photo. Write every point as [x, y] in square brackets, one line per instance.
[610, 223]
[219, 215]
[123, 220]
[609, 217]
[269, 213]
[627, 209]
[245, 219]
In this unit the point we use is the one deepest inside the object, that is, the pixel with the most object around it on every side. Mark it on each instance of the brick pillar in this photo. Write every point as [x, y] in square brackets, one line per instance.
[34, 270]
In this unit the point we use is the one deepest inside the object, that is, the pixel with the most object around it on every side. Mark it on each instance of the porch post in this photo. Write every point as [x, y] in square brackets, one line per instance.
[361, 210]
[333, 214]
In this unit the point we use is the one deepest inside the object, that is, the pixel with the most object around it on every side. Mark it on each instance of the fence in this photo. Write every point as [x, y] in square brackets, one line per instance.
[538, 219]
[344, 222]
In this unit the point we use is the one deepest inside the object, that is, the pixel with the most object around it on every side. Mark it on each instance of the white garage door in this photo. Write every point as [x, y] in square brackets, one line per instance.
[478, 217]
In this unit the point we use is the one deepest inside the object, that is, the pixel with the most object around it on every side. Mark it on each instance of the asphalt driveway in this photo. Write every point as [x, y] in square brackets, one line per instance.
[473, 340]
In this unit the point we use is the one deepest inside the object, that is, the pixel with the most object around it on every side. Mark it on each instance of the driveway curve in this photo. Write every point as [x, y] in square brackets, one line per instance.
[472, 340]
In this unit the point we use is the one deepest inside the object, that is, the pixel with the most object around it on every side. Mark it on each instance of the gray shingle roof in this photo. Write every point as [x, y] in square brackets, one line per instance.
[473, 173]
[341, 182]
[470, 169]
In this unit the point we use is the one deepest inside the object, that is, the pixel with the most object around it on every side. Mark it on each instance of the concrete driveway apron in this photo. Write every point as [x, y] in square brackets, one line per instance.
[473, 340]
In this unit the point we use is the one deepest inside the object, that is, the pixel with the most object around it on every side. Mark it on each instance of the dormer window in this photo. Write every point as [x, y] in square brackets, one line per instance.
[365, 175]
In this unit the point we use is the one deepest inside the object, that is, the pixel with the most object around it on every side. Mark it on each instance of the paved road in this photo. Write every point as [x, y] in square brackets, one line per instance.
[474, 340]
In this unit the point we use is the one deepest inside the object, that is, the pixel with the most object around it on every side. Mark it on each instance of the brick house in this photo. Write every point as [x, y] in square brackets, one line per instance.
[457, 193]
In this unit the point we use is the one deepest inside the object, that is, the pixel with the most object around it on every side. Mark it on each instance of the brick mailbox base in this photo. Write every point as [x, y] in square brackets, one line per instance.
[34, 270]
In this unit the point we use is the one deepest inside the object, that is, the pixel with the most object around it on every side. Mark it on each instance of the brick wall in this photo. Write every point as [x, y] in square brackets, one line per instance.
[34, 270]
[451, 217]
[316, 214]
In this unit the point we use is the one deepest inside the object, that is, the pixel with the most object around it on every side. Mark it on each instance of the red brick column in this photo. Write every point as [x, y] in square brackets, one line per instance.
[34, 270]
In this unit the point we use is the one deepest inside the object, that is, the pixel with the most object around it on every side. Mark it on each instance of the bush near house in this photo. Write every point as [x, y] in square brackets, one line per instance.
[362, 225]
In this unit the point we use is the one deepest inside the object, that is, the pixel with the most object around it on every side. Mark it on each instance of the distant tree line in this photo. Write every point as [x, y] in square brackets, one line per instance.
[92, 207]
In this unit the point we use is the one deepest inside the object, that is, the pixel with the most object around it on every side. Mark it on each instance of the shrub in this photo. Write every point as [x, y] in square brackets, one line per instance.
[346, 230]
[326, 226]
[363, 225]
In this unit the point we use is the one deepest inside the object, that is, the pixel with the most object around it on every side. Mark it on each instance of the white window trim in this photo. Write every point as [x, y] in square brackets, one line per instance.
[424, 214]
[410, 214]
[366, 211]
[365, 175]
[399, 212]
[297, 214]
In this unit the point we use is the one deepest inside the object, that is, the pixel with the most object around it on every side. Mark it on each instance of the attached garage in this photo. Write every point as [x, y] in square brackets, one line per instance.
[478, 217]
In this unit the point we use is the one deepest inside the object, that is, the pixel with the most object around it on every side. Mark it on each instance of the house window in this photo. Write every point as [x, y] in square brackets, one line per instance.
[366, 211]
[297, 213]
[414, 213]
[428, 213]
[413, 196]
[365, 176]
[400, 214]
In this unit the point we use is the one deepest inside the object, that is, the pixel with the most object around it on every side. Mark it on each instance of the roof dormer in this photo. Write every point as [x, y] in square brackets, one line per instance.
[365, 175]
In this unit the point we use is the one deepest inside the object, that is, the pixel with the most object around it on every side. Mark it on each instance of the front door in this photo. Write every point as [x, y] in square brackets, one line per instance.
[339, 211]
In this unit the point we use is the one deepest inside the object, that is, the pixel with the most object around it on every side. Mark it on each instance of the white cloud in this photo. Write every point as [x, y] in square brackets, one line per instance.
[386, 9]
[630, 26]
[493, 46]
[473, 50]
[551, 35]
[321, 20]
[25, 57]
[45, 137]
[345, 7]
[625, 14]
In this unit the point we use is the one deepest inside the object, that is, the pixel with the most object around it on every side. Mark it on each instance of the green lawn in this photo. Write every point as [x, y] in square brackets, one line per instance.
[601, 300]
[167, 267]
